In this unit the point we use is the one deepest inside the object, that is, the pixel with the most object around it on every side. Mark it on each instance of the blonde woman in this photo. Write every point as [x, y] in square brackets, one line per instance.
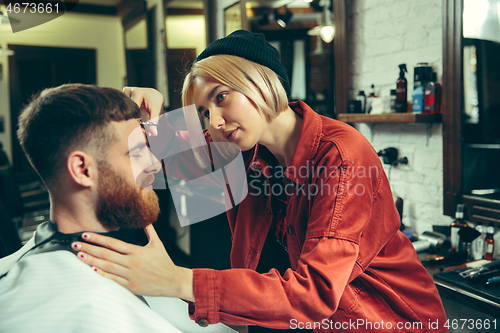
[324, 254]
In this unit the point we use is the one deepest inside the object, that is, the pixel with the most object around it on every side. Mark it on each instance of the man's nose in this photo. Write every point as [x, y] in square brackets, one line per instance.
[216, 118]
[155, 165]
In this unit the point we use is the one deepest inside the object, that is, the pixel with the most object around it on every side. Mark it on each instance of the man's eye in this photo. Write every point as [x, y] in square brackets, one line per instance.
[220, 97]
[137, 153]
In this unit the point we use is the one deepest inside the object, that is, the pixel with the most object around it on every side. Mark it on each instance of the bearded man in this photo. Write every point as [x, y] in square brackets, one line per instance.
[86, 144]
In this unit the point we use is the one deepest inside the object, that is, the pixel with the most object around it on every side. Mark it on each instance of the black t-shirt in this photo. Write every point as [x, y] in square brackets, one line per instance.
[274, 253]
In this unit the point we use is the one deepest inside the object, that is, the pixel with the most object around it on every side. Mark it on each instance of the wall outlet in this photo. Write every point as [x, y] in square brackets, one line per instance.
[408, 153]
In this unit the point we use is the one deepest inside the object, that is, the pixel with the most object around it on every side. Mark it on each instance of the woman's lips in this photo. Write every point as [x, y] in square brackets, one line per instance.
[232, 135]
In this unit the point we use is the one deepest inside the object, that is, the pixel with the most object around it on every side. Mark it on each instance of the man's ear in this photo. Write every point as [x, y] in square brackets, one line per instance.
[82, 168]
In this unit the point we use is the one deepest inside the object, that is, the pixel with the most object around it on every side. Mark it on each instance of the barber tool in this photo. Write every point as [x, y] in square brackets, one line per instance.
[470, 273]
[148, 123]
[493, 281]
[485, 276]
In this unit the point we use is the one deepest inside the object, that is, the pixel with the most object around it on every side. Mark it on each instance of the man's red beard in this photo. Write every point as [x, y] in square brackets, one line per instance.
[120, 204]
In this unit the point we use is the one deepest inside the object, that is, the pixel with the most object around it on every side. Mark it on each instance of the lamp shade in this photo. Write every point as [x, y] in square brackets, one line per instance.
[327, 33]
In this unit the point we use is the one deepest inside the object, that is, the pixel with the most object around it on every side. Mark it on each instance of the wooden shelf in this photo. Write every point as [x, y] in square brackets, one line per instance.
[390, 118]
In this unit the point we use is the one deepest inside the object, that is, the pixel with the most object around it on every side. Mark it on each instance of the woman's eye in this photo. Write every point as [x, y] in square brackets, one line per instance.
[221, 97]
[206, 114]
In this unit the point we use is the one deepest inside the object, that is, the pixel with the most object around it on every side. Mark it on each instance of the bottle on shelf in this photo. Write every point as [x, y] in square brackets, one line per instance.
[478, 243]
[362, 98]
[402, 90]
[432, 96]
[370, 98]
[489, 243]
[422, 75]
[456, 242]
[393, 101]
[372, 91]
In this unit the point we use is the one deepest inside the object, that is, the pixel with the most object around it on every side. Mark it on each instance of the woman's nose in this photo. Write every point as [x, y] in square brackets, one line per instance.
[216, 119]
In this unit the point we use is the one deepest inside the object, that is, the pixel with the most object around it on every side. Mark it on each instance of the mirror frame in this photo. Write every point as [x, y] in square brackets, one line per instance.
[341, 79]
[134, 15]
[452, 105]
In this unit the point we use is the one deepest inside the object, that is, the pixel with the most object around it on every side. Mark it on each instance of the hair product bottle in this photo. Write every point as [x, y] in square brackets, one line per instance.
[478, 243]
[432, 96]
[459, 222]
[489, 243]
[392, 101]
[422, 76]
[370, 98]
[402, 90]
[362, 98]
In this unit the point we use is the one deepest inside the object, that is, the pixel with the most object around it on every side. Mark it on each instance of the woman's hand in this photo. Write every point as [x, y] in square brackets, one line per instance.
[144, 270]
[151, 103]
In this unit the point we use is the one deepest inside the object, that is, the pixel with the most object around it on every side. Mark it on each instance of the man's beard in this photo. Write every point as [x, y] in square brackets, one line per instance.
[120, 204]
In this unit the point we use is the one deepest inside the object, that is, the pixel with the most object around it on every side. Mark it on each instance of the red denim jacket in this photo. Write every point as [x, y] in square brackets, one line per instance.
[351, 267]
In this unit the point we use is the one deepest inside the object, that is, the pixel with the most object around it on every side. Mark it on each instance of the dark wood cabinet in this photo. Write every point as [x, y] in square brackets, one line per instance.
[470, 155]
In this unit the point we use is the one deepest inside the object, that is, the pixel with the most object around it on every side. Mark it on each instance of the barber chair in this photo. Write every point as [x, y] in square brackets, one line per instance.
[26, 202]
[9, 238]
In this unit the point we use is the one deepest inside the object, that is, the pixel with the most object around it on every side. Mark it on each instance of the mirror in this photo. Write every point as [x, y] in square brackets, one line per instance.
[481, 109]
[232, 18]
[471, 108]
[481, 20]
[303, 33]
[186, 38]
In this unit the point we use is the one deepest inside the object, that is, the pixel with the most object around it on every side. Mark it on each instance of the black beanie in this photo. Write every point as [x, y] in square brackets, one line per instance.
[250, 46]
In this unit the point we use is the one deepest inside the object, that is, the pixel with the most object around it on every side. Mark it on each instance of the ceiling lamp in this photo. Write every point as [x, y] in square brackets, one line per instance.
[282, 16]
[325, 29]
[327, 33]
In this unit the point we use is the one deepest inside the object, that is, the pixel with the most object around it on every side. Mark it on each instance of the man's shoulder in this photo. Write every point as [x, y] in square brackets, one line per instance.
[56, 277]
[63, 292]
[7, 262]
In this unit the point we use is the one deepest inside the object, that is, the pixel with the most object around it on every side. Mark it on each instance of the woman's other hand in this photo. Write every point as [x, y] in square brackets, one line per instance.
[151, 103]
[144, 270]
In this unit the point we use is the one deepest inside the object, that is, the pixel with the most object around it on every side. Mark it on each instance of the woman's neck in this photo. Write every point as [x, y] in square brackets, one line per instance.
[282, 135]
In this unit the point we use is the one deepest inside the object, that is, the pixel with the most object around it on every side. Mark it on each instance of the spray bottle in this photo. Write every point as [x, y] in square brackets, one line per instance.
[402, 90]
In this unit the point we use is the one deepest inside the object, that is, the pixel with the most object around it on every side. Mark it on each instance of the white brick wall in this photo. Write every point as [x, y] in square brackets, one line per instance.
[386, 33]
[381, 35]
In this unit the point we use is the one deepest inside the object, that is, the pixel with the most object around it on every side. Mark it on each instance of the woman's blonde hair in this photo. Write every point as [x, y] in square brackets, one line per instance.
[258, 83]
